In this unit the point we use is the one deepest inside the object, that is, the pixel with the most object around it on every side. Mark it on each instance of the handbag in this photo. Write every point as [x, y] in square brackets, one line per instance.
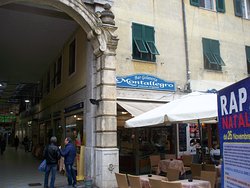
[42, 166]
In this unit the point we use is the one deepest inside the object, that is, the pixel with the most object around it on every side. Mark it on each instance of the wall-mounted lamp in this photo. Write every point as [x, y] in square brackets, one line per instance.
[94, 101]
[27, 100]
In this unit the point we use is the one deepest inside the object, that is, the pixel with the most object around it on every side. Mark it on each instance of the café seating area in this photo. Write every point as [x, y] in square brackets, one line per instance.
[156, 181]
[173, 172]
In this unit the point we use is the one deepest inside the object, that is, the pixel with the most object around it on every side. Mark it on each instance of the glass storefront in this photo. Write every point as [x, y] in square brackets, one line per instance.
[74, 128]
[136, 145]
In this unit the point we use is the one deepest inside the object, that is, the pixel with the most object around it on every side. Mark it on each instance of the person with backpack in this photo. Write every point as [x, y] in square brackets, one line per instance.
[52, 155]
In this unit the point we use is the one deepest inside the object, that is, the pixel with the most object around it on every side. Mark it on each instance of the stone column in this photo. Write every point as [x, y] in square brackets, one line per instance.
[102, 113]
[89, 114]
[106, 152]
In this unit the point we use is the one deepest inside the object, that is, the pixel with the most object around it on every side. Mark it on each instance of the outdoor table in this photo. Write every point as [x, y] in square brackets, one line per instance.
[170, 163]
[145, 181]
[194, 184]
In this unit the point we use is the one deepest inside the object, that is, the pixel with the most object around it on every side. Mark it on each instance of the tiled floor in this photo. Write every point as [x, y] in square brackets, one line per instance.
[19, 169]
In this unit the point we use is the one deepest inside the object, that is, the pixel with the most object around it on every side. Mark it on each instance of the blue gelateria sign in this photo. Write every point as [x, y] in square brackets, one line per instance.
[144, 81]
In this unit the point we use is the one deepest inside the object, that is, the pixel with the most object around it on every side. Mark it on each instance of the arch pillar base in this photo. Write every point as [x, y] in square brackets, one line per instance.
[107, 163]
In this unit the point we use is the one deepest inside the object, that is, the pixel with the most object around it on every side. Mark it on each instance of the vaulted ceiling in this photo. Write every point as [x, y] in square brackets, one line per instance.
[31, 37]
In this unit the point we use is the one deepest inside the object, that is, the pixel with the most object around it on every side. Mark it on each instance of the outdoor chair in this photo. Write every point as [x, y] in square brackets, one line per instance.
[122, 180]
[167, 184]
[209, 167]
[209, 176]
[196, 170]
[154, 183]
[170, 156]
[134, 181]
[173, 174]
[187, 161]
[154, 161]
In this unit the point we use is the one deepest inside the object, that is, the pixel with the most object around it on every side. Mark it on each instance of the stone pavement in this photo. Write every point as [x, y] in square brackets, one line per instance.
[19, 170]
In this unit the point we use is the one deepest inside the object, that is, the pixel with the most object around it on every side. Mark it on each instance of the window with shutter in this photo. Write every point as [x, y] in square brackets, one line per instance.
[238, 8]
[215, 5]
[195, 3]
[220, 6]
[247, 9]
[143, 42]
[242, 8]
[248, 58]
[211, 53]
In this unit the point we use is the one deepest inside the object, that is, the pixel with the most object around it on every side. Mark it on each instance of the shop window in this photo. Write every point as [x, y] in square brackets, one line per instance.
[215, 5]
[242, 8]
[248, 58]
[74, 128]
[144, 43]
[72, 57]
[211, 54]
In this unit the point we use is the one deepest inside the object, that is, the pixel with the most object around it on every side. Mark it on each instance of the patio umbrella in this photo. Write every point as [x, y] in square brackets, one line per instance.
[192, 108]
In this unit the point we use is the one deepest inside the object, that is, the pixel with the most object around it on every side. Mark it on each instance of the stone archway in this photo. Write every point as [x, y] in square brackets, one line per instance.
[101, 152]
[89, 22]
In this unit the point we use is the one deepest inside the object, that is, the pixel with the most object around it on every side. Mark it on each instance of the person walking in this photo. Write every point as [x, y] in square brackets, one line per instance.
[69, 154]
[26, 143]
[52, 155]
[16, 142]
[2, 144]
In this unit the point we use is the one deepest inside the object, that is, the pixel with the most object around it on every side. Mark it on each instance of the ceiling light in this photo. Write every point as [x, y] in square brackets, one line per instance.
[27, 100]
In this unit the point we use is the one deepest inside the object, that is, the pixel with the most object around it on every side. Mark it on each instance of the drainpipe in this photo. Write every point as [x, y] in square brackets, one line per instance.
[187, 86]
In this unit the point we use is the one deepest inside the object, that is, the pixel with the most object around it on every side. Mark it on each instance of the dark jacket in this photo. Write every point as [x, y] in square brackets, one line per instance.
[51, 154]
[69, 154]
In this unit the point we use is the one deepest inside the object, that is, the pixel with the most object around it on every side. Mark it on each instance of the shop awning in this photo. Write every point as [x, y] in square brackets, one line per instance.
[136, 108]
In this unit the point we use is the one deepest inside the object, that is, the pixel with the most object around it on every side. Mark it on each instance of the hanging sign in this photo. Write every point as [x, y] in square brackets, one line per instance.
[144, 81]
[73, 107]
[234, 126]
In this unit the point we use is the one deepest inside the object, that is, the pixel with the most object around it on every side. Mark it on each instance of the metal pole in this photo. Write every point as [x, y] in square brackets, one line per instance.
[200, 134]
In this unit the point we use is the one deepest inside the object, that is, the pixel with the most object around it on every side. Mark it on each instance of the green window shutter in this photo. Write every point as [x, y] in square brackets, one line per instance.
[195, 3]
[208, 57]
[150, 40]
[238, 8]
[220, 5]
[140, 46]
[152, 48]
[137, 31]
[215, 49]
[138, 38]
[205, 45]
[149, 33]
[248, 52]
[248, 58]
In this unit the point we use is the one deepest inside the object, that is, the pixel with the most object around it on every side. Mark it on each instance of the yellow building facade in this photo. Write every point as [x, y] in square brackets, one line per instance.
[185, 45]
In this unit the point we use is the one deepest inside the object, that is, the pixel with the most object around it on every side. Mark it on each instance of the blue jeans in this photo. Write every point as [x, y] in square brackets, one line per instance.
[50, 168]
[71, 173]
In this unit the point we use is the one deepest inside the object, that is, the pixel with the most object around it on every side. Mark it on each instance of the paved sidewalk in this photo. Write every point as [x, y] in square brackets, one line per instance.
[19, 169]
